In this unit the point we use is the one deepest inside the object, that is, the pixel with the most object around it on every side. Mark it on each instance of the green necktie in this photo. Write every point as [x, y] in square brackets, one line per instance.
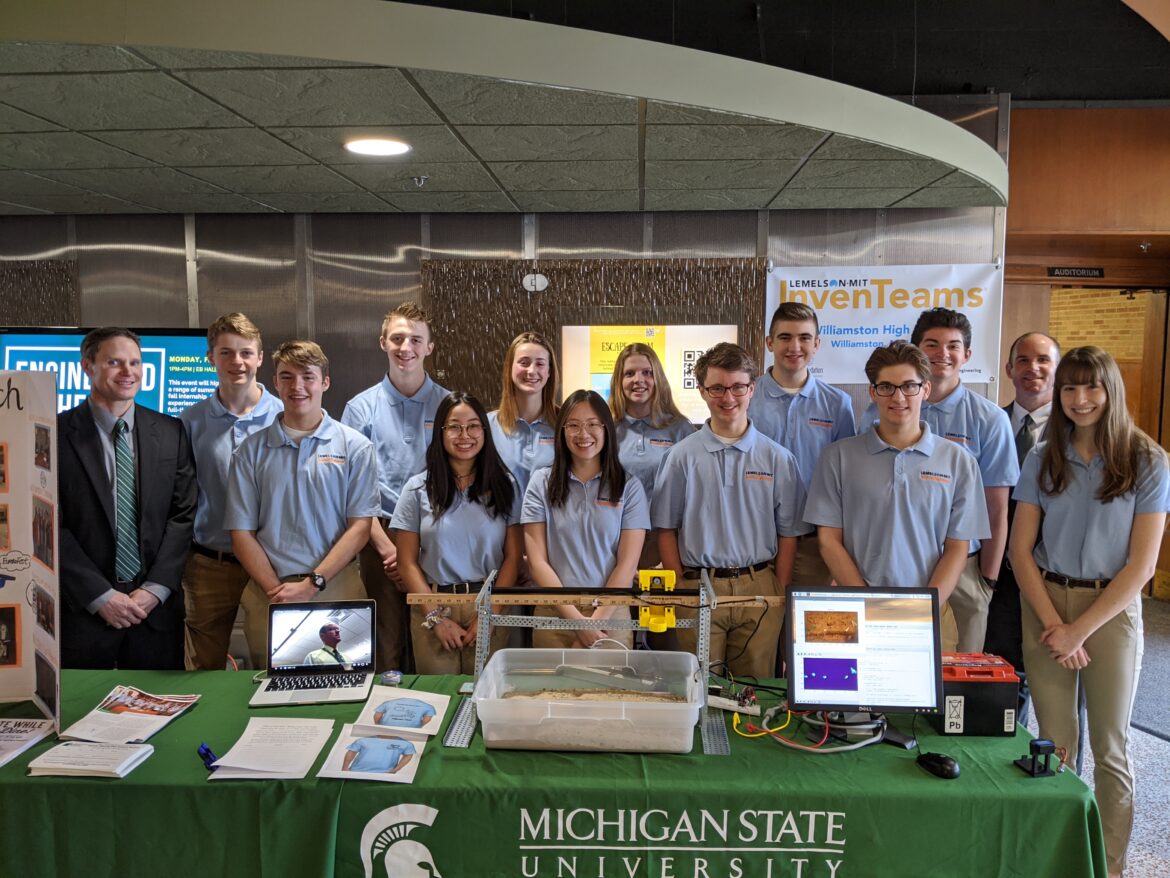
[1025, 438]
[126, 562]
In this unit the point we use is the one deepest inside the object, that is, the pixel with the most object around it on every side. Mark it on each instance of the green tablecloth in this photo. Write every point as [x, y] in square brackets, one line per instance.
[763, 812]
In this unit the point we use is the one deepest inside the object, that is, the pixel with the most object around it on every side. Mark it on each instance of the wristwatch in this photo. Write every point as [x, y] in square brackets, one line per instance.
[318, 580]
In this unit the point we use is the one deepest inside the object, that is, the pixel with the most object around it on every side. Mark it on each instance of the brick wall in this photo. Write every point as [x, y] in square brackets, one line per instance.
[1101, 317]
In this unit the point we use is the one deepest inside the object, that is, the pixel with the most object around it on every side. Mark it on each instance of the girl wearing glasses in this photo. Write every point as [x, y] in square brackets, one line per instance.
[584, 520]
[1090, 511]
[522, 426]
[454, 524]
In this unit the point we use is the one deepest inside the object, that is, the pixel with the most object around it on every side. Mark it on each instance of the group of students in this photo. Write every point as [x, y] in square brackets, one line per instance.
[432, 493]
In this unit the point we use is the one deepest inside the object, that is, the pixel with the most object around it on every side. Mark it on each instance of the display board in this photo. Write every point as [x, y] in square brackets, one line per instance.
[29, 559]
[175, 370]
[861, 307]
[588, 354]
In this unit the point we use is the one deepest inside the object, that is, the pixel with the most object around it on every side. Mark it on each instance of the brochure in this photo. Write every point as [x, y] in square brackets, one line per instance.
[274, 749]
[127, 715]
[389, 710]
[86, 759]
[386, 756]
[17, 735]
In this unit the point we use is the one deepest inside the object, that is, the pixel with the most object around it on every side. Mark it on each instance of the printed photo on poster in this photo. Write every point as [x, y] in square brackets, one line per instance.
[3, 467]
[42, 447]
[5, 530]
[46, 682]
[43, 532]
[385, 757]
[44, 608]
[9, 636]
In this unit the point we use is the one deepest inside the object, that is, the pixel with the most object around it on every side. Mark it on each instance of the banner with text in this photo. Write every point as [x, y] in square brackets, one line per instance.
[864, 307]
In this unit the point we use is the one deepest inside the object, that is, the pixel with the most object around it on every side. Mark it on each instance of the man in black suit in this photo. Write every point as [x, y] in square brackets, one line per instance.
[1031, 367]
[127, 507]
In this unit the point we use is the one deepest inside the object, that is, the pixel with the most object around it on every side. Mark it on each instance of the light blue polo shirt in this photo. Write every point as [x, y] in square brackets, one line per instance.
[728, 502]
[582, 536]
[642, 447]
[529, 447]
[379, 755]
[897, 508]
[298, 498]
[215, 434]
[409, 712]
[400, 428]
[465, 544]
[1082, 537]
[806, 422]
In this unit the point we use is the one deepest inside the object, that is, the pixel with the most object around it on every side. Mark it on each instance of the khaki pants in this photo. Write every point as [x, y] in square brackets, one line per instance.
[967, 609]
[809, 567]
[391, 617]
[345, 586]
[429, 655]
[554, 638]
[211, 592]
[748, 650]
[1109, 681]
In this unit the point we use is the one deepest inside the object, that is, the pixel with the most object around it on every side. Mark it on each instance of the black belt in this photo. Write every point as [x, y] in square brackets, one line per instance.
[1069, 582]
[727, 572]
[460, 588]
[211, 553]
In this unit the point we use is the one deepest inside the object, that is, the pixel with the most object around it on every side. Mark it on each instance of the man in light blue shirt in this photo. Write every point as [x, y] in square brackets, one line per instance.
[728, 499]
[214, 579]
[896, 506]
[798, 412]
[378, 755]
[397, 414]
[301, 494]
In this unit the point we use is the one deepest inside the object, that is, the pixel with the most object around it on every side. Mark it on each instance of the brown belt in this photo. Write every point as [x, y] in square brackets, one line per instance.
[1069, 582]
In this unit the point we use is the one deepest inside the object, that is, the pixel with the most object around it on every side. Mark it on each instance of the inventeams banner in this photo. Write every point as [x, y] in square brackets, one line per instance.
[863, 307]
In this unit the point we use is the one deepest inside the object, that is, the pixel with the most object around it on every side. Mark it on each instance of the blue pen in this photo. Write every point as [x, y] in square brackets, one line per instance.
[208, 756]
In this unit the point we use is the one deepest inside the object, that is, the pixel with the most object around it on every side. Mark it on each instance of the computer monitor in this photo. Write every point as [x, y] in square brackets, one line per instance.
[873, 650]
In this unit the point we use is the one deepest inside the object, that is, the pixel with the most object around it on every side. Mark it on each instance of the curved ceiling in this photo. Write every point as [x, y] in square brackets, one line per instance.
[237, 114]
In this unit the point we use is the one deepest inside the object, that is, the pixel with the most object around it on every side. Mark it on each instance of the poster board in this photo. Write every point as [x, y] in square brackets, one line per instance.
[30, 623]
[588, 354]
[860, 307]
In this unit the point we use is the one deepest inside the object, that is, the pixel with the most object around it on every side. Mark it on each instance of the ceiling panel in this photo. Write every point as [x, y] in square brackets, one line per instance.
[809, 199]
[283, 178]
[436, 143]
[205, 146]
[733, 174]
[867, 175]
[202, 202]
[66, 58]
[949, 197]
[327, 202]
[395, 176]
[105, 101]
[499, 143]
[708, 199]
[566, 176]
[450, 202]
[473, 100]
[583, 200]
[12, 119]
[132, 182]
[63, 149]
[82, 203]
[180, 59]
[325, 96]
[660, 113]
[730, 141]
[20, 183]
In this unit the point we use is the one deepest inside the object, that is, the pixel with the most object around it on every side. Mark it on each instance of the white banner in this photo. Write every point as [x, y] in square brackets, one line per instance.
[863, 307]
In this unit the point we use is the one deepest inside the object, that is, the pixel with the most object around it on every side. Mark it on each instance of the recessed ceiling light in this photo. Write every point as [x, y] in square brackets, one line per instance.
[377, 146]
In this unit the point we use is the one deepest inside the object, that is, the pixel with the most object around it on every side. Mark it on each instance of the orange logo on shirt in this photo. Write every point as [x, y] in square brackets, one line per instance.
[758, 476]
[609, 504]
[547, 440]
[928, 476]
[821, 422]
[661, 443]
[338, 459]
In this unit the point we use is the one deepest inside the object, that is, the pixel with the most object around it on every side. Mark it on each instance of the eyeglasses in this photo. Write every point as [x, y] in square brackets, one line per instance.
[472, 430]
[908, 388]
[717, 390]
[578, 427]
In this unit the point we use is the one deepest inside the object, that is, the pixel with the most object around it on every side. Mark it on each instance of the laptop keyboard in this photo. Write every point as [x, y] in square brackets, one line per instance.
[316, 681]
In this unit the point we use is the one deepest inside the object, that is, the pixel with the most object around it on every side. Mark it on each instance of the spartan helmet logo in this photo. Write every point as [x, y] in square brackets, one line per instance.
[386, 842]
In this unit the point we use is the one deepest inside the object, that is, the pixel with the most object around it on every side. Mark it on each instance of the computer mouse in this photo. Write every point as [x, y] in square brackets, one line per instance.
[939, 765]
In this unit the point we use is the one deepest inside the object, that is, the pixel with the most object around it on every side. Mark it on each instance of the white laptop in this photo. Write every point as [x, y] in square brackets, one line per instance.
[319, 652]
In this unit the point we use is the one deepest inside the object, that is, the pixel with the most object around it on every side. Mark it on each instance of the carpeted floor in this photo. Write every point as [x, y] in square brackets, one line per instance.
[1151, 710]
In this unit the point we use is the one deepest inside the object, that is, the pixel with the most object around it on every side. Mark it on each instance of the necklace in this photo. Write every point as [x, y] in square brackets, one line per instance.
[464, 481]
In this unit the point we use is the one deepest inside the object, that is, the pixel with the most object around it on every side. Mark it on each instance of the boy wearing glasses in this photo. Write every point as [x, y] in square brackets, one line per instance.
[897, 505]
[397, 414]
[804, 415]
[728, 499]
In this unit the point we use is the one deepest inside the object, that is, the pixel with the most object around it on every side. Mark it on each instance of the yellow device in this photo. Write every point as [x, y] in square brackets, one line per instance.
[656, 618]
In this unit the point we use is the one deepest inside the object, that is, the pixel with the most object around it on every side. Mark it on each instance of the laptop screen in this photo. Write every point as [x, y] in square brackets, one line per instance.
[321, 636]
[863, 649]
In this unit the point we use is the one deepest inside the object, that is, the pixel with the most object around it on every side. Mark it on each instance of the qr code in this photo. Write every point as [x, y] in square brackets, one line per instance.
[688, 366]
